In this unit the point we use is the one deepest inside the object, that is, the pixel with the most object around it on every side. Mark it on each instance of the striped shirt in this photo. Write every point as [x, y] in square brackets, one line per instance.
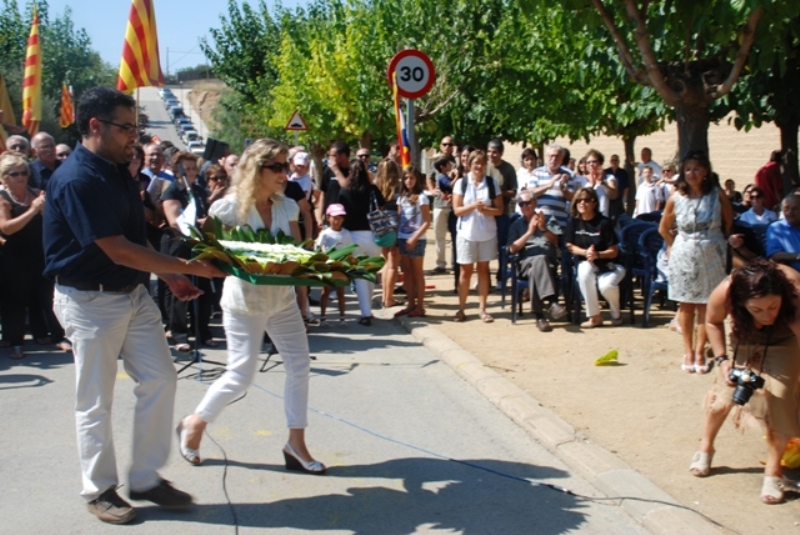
[552, 202]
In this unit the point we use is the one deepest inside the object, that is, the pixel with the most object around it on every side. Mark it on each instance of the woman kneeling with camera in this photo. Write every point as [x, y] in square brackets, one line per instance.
[762, 377]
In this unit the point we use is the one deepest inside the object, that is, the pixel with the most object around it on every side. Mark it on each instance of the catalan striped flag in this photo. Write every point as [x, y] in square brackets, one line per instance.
[67, 108]
[6, 113]
[32, 80]
[140, 65]
[402, 133]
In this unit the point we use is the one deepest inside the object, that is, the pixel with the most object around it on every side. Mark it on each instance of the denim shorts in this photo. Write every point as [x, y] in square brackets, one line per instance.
[416, 252]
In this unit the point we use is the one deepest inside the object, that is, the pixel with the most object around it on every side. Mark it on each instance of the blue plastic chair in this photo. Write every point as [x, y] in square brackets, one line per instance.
[634, 266]
[650, 243]
[508, 270]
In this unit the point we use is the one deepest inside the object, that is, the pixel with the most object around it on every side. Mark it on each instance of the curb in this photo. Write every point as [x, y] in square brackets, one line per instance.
[607, 472]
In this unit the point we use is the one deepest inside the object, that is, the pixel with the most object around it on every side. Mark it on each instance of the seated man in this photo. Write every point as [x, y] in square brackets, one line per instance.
[536, 245]
[783, 237]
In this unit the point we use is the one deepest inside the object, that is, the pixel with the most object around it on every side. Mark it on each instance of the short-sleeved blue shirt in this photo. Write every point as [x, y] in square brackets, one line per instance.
[89, 198]
[783, 238]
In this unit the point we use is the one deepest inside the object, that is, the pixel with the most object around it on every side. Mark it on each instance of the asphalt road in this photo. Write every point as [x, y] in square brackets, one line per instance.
[160, 123]
[412, 448]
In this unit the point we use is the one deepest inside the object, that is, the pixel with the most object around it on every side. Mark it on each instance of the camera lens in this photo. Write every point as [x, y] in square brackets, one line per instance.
[742, 394]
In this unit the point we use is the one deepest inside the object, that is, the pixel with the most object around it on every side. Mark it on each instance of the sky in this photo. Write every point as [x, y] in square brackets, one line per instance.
[181, 24]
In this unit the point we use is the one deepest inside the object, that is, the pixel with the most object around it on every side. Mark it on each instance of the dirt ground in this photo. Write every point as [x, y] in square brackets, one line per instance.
[645, 410]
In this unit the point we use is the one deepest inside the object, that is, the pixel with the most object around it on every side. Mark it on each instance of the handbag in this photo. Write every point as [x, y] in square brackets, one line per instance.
[382, 223]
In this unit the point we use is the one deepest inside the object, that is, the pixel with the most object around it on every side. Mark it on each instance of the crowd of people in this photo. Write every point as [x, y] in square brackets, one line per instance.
[80, 258]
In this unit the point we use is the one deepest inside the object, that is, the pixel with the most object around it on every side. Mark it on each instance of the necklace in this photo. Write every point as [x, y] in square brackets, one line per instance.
[13, 198]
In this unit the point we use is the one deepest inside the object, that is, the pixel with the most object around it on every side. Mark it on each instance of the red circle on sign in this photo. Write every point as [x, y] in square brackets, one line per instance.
[425, 64]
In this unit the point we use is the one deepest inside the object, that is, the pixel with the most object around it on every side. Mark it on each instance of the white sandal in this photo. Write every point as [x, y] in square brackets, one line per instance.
[192, 456]
[701, 463]
[772, 490]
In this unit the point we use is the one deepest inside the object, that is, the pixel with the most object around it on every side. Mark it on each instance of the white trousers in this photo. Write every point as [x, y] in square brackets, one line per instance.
[364, 288]
[102, 327]
[589, 279]
[245, 335]
[440, 216]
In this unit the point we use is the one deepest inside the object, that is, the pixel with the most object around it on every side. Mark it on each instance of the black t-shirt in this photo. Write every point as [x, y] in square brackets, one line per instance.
[330, 185]
[177, 191]
[509, 182]
[358, 204]
[598, 231]
[294, 191]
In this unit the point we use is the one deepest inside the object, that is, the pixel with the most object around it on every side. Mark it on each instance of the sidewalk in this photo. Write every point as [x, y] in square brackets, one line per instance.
[644, 415]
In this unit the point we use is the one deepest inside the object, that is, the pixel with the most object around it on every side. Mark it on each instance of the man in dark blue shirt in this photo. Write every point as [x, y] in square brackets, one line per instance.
[45, 164]
[96, 249]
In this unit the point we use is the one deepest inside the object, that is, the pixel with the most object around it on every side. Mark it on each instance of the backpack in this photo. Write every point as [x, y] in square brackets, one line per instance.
[489, 184]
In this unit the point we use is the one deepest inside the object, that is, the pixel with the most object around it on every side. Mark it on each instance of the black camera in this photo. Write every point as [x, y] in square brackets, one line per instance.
[747, 382]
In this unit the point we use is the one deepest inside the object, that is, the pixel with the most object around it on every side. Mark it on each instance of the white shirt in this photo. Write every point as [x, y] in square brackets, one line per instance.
[330, 238]
[648, 195]
[652, 164]
[476, 226]
[240, 296]
[410, 216]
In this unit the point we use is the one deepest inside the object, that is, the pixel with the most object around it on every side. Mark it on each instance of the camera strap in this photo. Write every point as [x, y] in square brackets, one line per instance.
[763, 353]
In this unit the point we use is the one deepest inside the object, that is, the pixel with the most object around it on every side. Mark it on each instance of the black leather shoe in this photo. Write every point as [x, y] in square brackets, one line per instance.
[165, 495]
[109, 507]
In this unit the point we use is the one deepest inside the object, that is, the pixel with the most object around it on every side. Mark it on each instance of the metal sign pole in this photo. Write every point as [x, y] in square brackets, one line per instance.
[412, 145]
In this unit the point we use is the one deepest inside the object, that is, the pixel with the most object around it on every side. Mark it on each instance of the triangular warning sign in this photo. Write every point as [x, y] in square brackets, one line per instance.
[296, 122]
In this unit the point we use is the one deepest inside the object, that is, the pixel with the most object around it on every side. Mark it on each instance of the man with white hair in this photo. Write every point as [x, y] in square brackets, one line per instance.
[19, 144]
[551, 186]
[536, 246]
[42, 168]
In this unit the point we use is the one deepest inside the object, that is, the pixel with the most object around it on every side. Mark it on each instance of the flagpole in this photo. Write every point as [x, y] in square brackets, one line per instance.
[136, 114]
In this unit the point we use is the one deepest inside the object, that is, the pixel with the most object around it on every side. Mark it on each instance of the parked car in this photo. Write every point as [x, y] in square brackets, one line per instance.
[170, 102]
[182, 120]
[175, 112]
[165, 92]
[185, 134]
[195, 147]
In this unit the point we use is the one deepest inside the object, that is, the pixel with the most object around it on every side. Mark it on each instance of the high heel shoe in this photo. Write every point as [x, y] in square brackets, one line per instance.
[192, 456]
[295, 463]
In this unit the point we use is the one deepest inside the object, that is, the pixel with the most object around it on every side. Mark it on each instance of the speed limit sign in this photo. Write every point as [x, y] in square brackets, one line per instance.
[415, 73]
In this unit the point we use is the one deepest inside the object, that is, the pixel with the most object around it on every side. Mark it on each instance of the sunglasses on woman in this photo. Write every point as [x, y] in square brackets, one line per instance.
[276, 167]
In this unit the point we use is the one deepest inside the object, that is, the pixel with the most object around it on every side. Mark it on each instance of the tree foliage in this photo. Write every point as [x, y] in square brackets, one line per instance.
[67, 57]
[692, 53]
[522, 70]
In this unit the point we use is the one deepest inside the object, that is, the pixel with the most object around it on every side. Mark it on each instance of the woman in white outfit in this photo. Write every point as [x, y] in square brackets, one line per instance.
[255, 199]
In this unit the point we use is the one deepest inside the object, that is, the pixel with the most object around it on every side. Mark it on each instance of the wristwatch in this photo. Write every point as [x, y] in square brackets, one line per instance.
[797, 257]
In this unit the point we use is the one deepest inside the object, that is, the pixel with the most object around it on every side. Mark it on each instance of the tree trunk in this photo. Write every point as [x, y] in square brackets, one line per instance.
[365, 141]
[630, 158]
[791, 180]
[693, 121]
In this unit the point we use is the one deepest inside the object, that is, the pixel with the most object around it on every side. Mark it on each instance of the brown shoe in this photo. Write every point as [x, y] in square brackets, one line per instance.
[165, 495]
[543, 325]
[109, 507]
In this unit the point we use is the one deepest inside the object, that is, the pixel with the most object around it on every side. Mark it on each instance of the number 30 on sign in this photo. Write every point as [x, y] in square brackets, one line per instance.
[415, 73]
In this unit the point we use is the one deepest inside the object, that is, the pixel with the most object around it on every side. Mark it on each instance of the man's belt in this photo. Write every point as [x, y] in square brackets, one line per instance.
[96, 286]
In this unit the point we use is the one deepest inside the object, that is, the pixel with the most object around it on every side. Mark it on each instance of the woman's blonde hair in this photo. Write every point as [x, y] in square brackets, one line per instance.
[387, 178]
[9, 160]
[245, 176]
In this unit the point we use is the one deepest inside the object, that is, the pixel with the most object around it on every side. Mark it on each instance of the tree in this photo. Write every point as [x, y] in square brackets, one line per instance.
[692, 53]
[67, 57]
[770, 93]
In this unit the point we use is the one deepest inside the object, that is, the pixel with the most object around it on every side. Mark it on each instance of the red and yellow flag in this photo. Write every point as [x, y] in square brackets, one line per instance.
[140, 65]
[6, 113]
[402, 134]
[67, 109]
[32, 81]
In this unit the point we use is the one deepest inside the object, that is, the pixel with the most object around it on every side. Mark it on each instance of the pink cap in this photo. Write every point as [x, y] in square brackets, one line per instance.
[336, 209]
